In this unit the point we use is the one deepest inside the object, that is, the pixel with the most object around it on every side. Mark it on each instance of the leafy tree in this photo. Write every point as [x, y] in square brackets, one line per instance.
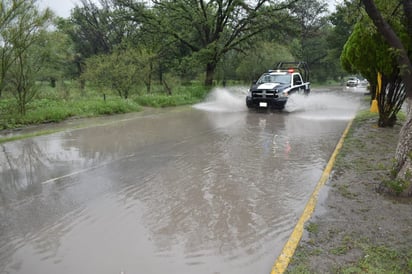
[343, 20]
[257, 60]
[9, 11]
[208, 30]
[401, 45]
[310, 17]
[357, 57]
[95, 29]
[57, 62]
[310, 44]
[22, 37]
[121, 70]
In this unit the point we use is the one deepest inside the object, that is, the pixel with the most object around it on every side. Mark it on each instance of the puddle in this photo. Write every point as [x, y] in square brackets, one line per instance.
[324, 106]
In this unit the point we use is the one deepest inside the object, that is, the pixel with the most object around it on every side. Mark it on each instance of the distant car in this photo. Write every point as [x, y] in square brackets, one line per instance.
[352, 82]
[364, 83]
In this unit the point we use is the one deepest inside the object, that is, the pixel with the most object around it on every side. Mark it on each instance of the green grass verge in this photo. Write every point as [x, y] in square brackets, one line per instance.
[375, 259]
[52, 105]
[49, 110]
[183, 95]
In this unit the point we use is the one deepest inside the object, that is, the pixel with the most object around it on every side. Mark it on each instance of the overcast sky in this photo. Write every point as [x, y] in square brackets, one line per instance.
[62, 7]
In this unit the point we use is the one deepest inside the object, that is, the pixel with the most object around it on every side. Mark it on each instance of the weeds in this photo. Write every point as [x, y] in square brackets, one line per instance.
[398, 186]
[55, 105]
[312, 228]
[375, 259]
[182, 96]
[345, 192]
[381, 259]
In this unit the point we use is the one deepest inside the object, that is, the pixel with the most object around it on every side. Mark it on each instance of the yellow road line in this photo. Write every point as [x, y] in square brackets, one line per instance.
[288, 250]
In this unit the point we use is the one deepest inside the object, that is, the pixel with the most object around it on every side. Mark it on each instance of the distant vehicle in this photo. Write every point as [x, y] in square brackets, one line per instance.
[274, 87]
[352, 82]
[364, 83]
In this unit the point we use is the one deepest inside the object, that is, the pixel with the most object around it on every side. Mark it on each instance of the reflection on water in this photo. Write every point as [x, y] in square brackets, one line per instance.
[184, 192]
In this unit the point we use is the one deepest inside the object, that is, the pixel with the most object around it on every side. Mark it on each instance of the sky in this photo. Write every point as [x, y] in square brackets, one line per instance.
[62, 7]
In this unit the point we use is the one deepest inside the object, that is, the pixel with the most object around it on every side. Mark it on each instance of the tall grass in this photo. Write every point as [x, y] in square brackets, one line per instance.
[183, 95]
[65, 101]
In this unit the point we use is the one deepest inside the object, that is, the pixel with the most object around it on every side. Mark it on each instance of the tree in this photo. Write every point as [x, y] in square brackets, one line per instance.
[310, 44]
[356, 58]
[9, 11]
[343, 21]
[403, 156]
[22, 38]
[263, 56]
[310, 17]
[121, 70]
[57, 62]
[94, 29]
[209, 29]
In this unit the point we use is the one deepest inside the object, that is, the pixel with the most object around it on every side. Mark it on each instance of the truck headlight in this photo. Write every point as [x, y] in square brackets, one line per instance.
[283, 94]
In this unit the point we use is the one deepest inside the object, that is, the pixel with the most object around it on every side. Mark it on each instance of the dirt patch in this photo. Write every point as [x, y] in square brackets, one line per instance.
[356, 229]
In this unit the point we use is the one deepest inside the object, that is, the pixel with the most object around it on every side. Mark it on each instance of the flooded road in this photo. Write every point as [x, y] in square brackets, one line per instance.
[213, 188]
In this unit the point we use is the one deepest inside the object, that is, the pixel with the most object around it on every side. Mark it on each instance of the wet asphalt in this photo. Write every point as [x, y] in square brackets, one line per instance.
[213, 188]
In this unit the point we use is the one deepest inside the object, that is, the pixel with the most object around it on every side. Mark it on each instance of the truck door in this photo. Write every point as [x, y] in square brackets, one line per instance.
[297, 83]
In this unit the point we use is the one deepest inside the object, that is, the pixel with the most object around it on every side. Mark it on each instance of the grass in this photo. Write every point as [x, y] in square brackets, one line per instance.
[354, 253]
[58, 104]
[312, 228]
[381, 259]
[50, 110]
[375, 259]
[182, 96]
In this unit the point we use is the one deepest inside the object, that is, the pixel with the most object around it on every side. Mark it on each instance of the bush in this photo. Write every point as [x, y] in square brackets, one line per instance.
[46, 111]
[54, 105]
[183, 95]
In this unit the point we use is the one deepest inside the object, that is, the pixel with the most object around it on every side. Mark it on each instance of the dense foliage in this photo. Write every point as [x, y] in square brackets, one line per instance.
[357, 57]
[149, 50]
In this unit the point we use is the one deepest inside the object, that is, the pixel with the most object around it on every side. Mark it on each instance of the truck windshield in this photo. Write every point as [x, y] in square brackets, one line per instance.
[274, 78]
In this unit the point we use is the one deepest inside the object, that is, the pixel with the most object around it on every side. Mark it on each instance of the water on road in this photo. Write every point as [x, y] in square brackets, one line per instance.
[213, 188]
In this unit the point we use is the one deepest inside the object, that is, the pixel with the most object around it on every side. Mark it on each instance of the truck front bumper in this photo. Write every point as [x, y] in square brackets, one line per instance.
[272, 103]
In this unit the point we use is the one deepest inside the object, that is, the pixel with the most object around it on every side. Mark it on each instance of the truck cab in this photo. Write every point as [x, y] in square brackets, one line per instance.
[273, 88]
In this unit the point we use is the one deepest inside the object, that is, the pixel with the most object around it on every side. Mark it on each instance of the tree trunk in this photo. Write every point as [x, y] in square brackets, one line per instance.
[403, 165]
[403, 154]
[149, 78]
[167, 87]
[210, 74]
[53, 82]
[390, 100]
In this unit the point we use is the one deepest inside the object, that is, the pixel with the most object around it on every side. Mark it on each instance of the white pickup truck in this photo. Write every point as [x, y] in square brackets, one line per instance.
[274, 87]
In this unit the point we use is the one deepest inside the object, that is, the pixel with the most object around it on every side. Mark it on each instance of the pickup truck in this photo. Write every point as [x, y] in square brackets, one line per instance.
[274, 87]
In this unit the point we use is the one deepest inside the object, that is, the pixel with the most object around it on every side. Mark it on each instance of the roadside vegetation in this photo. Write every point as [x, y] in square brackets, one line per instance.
[362, 230]
[116, 56]
[375, 259]
[58, 104]
[150, 54]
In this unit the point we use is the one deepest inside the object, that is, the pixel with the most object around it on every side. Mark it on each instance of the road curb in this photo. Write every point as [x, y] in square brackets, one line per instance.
[289, 248]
